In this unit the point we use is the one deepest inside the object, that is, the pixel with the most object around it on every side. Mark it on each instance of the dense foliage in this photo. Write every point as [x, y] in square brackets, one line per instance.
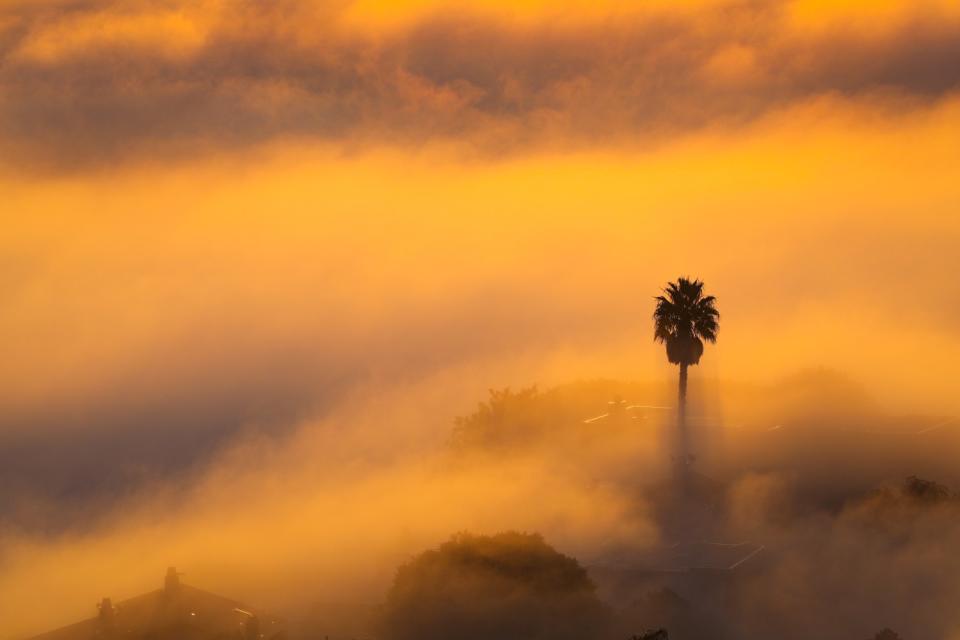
[509, 586]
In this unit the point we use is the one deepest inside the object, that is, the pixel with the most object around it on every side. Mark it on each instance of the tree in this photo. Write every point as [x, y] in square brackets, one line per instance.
[682, 320]
[926, 491]
[506, 420]
[509, 586]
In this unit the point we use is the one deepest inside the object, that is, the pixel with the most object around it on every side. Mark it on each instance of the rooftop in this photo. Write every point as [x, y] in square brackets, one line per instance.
[175, 612]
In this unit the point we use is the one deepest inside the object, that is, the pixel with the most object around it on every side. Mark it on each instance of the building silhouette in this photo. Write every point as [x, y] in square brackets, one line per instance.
[175, 612]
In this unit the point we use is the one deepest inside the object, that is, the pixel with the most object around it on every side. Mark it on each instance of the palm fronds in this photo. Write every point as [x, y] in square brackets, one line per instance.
[683, 319]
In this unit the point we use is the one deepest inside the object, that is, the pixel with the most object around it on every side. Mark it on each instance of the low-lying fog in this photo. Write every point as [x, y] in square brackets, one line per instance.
[313, 524]
[248, 364]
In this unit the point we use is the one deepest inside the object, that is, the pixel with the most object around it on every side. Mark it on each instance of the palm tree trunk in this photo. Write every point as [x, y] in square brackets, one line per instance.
[683, 438]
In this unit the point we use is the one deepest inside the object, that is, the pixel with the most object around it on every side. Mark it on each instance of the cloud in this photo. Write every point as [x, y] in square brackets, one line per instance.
[260, 259]
[854, 571]
[88, 84]
[152, 315]
[320, 516]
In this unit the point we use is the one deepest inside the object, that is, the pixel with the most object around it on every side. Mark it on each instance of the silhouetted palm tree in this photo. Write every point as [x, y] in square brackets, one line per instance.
[683, 319]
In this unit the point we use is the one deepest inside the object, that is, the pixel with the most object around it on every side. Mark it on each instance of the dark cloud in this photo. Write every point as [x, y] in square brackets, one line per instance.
[288, 71]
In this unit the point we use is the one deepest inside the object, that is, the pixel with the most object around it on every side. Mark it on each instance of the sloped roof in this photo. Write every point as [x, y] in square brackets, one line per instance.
[178, 612]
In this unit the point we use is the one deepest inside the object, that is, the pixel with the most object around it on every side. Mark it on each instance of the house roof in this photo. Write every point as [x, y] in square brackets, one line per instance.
[177, 611]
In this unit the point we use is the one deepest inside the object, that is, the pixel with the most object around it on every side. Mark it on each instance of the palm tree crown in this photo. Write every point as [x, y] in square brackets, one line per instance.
[683, 319]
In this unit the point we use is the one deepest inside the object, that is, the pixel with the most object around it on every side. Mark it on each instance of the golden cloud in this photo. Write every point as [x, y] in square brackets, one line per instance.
[92, 83]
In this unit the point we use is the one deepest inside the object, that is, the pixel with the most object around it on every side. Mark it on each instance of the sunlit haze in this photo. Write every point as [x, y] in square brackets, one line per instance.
[257, 258]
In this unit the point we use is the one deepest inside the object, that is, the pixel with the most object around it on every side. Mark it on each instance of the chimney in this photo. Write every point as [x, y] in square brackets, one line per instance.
[105, 617]
[171, 584]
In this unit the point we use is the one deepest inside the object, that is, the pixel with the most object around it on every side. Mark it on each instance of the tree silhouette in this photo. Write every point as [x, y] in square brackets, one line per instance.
[682, 320]
[508, 586]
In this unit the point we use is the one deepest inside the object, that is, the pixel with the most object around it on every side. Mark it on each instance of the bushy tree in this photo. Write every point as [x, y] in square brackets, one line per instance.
[504, 419]
[925, 490]
[510, 586]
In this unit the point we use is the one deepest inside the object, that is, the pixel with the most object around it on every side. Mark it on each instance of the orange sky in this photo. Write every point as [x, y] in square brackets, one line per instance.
[226, 189]
[219, 209]
[92, 85]
[813, 226]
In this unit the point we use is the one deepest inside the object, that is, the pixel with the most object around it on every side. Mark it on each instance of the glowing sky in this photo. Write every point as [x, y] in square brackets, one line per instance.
[224, 212]
[88, 83]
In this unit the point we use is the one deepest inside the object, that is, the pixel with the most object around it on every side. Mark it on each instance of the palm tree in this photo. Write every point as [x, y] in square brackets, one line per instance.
[683, 319]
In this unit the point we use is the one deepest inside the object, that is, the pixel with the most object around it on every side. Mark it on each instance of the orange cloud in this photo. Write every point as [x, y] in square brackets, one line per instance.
[169, 33]
[100, 84]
